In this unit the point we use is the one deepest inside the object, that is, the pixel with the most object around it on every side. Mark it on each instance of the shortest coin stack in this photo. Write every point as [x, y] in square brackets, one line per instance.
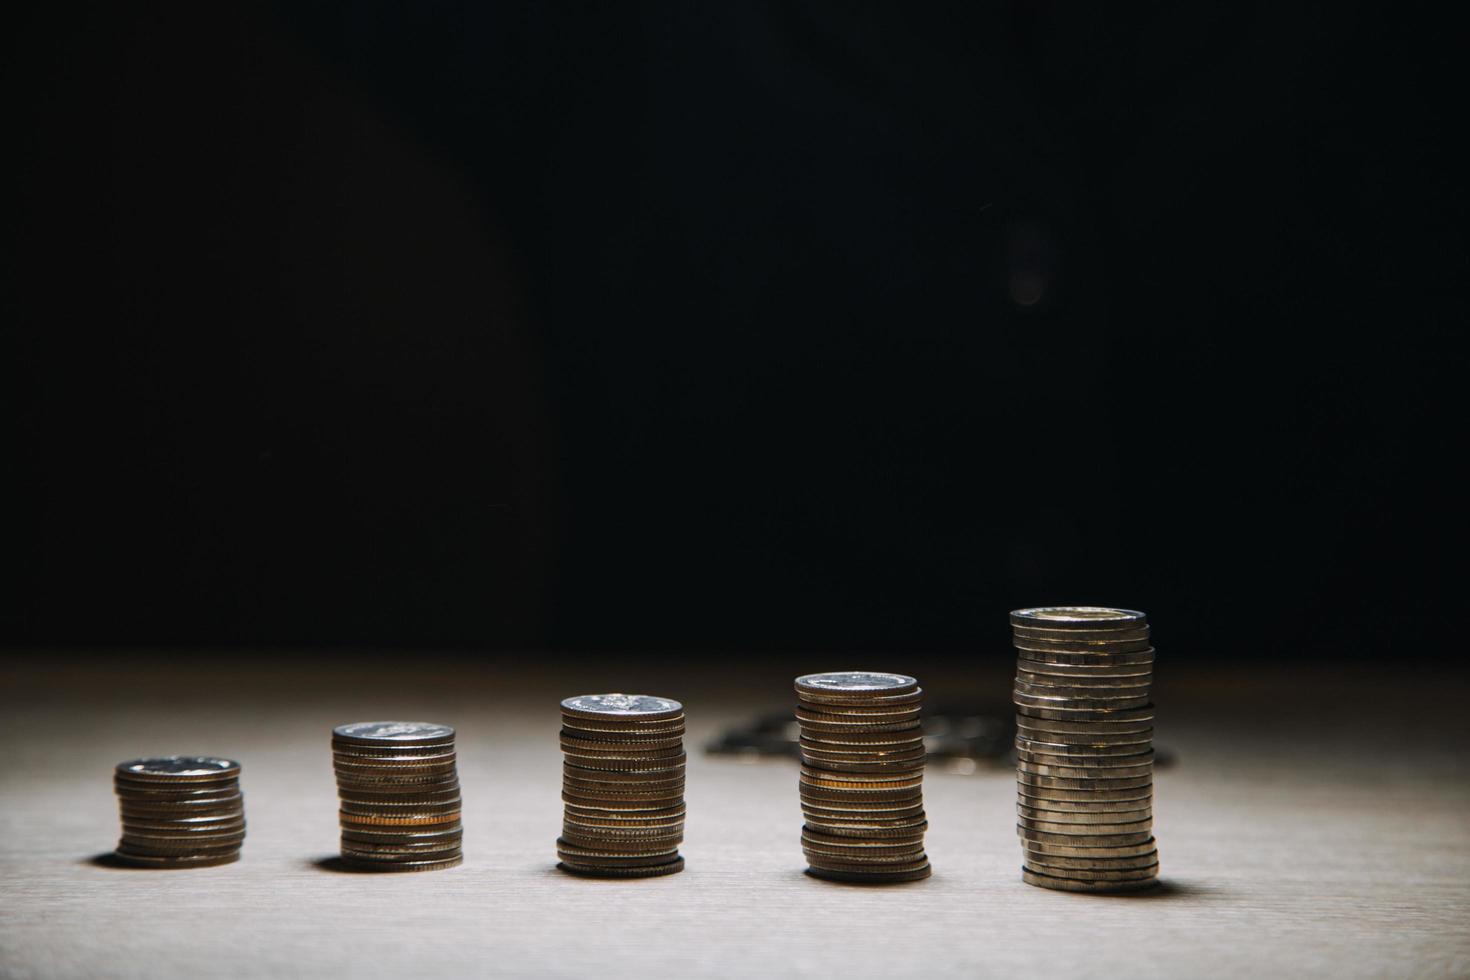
[180, 812]
[1084, 748]
[399, 792]
[622, 786]
[862, 756]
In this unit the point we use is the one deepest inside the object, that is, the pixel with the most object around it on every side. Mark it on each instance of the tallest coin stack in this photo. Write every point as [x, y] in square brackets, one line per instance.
[1084, 748]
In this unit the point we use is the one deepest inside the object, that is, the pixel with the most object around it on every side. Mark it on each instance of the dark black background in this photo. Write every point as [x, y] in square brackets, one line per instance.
[756, 326]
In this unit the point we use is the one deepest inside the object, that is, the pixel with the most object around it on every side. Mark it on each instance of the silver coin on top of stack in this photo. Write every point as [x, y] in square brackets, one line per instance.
[179, 812]
[622, 786]
[398, 788]
[1084, 748]
[862, 755]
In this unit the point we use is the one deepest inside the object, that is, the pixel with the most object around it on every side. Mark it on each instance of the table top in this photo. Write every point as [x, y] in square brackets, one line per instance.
[1315, 824]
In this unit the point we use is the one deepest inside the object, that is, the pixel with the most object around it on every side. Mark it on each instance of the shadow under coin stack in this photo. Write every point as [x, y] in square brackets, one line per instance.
[862, 755]
[622, 786]
[399, 793]
[180, 812]
[1084, 748]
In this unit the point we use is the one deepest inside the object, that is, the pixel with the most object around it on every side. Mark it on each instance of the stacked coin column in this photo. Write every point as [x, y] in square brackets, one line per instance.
[1084, 748]
[180, 812]
[862, 775]
[399, 790]
[622, 786]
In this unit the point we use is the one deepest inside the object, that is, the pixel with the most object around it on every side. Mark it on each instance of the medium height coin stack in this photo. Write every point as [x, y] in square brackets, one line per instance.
[399, 790]
[1084, 748]
[180, 812]
[862, 775]
[622, 786]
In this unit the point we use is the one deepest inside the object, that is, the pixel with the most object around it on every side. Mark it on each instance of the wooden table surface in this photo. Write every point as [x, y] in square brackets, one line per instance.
[1317, 824]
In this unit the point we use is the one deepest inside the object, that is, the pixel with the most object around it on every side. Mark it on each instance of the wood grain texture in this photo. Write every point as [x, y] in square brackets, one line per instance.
[1314, 826]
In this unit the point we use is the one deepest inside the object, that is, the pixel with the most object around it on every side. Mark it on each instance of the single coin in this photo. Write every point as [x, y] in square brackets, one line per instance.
[174, 789]
[1112, 635]
[1125, 675]
[877, 813]
[393, 733]
[666, 764]
[398, 808]
[1084, 682]
[862, 682]
[155, 838]
[1080, 840]
[819, 797]
[841, 703]
[1085, 772]
[1087, 829]
[390, 767]
[1030, 719]
[673, 867]
[914, 768]
[432, 821]
[1042, 748]
[1112, 734]
[385, 800]
[1061, 783]
[1065, 865]
[1085, 756]
[847, 786]
[402, 866]
[1092, 852]
[1076, 704]
[865, 831]
[1123, 643]
[867, 878]
[181, 768]
[1087, 795]
[399, 787]
[1078, 617]
[862, 778]
[1073, 817]
[832, 864]
[859, 712]
[608, 742]
[820, 836]
[858, 849]
[1077, 656]
[140, 849]
[1073, 885]
[863, 741]
[617, 844]
[903, 860]
[401, 835]
[582, 828]
[1089, 806]
[645, 707]
[1072, 874]
[206, 821]
[907, 753]
[815, 728]
[154, 861]
[134, 829]
[1140, 713]
[1080, 693]
[388, 792]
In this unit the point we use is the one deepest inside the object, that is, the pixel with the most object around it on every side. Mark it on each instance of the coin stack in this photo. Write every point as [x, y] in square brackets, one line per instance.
[622, 786]
[399, 792]
[180, 812]
[1084, 748]
[862, 776]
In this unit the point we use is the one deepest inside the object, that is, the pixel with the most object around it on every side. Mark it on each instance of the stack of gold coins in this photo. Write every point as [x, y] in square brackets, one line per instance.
[862, 776]
[1084, 747]
[399, 792]
[180, 812]
[622, 786]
